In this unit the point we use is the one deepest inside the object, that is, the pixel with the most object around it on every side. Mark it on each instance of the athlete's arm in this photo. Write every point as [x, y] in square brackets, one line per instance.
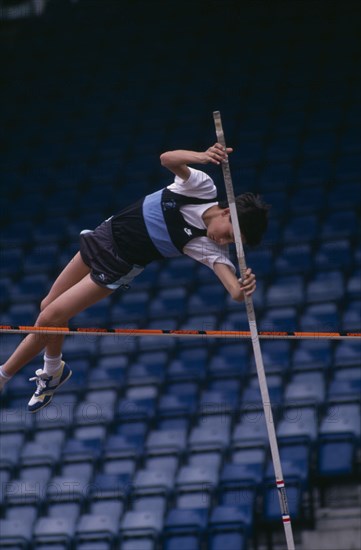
[177, 161]
[233, 285]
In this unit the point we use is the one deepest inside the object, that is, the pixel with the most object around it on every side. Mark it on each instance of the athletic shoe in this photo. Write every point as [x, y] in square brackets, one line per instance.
[46, 386]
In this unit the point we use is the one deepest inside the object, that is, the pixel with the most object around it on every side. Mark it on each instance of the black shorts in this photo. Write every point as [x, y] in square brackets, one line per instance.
[107, 268]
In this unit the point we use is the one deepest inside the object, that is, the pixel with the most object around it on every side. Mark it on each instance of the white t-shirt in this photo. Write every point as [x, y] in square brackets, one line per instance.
[202, 249]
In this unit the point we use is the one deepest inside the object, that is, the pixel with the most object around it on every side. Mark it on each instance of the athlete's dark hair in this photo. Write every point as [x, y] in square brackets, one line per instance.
[252, 216]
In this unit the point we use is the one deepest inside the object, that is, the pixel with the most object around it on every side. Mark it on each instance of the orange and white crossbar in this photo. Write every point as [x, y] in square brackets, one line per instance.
[235, 334]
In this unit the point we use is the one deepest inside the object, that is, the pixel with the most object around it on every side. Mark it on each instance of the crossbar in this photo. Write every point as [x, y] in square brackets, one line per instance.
[241, 334]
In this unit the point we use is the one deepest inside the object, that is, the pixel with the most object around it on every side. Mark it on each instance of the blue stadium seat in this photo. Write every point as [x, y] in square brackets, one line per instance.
[324, 285]
[347, 352]
[29, 487]
[132, 306]
[42, 259]
[294, 259]
[68, 509]
[308, 200]
[283, 149]
[54, 531]
[16, 234]
[230, 359]
[16, 533]
[340, 224]
[31, 288]
[153, 483]
[314, 172]
[176, 272]
[207, 298]
[351, 318]
[336, 456]
[344, 195]
[209, 438]
[189, 364]
[305, 387]
[252, 393]
[184, 529]
[112, 508]
[313, 354]
[345, 384]
[168, 302]
[334, 255]
[108, 373]
[139, 403]
[285, 291]
[276, 357]
[78, 470]
[94, 527]
[97, 407]
[80, 450]
[194, 486]
[301, 229]
[58, 414]
[322, 317]
[277, 176]
[119, 447]
[11, 262]
[298, 421]
[279, 319]
[40, 453]
[170, 441]
[251, 429]
[10, 446]
[138, 525]
[27, 512]
[261, 261]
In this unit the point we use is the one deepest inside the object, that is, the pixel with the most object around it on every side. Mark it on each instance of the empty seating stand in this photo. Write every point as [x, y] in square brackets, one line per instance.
[162, 442]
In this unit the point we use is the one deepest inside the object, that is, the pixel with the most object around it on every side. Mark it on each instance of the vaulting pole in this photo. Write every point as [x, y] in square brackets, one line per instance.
[255, 341]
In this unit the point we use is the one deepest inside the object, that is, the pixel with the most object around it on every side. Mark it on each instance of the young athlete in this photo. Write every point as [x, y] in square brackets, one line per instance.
[183, 218]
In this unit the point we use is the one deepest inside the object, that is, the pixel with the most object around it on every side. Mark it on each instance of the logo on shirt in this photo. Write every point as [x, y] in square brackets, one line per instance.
[167, 205]
[188, 231]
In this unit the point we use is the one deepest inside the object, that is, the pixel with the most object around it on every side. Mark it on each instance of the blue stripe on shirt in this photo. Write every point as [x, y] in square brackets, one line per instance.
[156, 226]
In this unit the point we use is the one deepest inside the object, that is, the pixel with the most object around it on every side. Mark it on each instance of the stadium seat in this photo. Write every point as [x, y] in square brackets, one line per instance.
[15, 533]
[184, 529]
[226, 529]
[294, 259]
[92, 527]
[325, 285]
[298, 421]
[305, 387]
[54, 531]
[285, 291]
[141, 525]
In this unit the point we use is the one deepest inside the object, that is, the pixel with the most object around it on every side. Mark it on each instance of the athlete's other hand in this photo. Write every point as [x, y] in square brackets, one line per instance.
[248, 282]
[216, 154]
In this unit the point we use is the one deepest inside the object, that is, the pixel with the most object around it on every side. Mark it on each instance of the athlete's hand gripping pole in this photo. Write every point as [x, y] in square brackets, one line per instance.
[255, 341]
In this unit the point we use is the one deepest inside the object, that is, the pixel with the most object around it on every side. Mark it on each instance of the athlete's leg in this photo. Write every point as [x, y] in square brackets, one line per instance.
[74, 272]
[72, 301]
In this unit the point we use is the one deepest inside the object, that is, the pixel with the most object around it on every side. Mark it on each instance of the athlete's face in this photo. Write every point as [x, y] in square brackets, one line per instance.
[220, 228]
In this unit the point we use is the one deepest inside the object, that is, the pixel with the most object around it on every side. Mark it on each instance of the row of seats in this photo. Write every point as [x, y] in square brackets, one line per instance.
[121, 485]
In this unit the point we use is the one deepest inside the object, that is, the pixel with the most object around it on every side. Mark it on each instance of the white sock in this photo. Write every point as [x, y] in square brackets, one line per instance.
[52, 364]
[3, 378]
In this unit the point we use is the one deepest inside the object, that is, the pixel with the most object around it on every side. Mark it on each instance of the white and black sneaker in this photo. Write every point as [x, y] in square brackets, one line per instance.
[46, 386]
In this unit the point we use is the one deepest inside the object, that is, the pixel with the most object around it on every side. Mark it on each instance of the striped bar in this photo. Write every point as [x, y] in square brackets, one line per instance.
[65, 331]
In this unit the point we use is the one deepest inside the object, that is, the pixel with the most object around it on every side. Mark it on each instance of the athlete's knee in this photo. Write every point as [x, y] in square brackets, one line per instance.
[52, 316]
[44, 303]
